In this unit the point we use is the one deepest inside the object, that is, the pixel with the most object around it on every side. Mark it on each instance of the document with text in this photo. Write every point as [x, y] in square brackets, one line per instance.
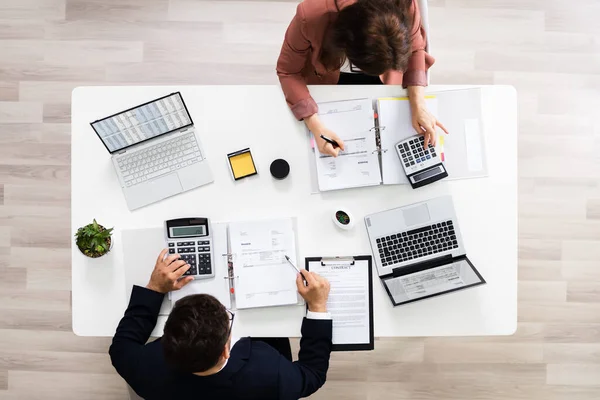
[350, 300]
[262, 276]
[358, 165]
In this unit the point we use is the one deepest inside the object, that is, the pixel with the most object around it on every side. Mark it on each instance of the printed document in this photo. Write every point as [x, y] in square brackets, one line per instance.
[262, 275]
[358, 165]
[348, 301]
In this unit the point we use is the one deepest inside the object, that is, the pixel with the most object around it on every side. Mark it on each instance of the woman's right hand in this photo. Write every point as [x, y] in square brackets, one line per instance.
[317, 128]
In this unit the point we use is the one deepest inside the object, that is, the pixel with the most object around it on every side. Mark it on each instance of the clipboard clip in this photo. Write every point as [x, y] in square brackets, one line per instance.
[337, 260]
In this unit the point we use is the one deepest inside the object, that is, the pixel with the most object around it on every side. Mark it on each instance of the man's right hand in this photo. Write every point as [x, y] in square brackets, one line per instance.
[315, 293]
[317, 128]
[168, 273]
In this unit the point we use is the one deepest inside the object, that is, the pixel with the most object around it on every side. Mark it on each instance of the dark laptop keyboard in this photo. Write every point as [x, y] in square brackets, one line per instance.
[416, 243]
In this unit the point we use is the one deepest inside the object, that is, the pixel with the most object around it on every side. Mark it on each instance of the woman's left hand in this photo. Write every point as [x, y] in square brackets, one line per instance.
[425, 123]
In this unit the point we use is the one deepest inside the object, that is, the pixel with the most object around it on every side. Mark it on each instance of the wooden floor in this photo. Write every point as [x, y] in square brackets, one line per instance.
[548, 49]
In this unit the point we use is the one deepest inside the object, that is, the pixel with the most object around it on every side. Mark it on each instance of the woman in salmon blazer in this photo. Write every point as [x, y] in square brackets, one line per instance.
[383, 39]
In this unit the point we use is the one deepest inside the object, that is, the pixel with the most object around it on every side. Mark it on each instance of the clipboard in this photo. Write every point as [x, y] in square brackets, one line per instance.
[350, 261]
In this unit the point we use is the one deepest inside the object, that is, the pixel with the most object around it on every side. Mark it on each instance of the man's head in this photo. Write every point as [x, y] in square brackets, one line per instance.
[196, 334]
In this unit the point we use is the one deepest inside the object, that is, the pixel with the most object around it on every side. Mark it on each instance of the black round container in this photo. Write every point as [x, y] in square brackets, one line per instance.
[280, 169]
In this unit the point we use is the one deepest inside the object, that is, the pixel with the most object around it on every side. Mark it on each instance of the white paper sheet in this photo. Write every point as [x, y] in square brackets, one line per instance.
[348, 301]
[473, 143]
[358, 165]
[394, 114]
[263, 276]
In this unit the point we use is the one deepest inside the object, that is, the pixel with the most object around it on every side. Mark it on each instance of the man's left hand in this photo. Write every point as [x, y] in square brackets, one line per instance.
[168, 272]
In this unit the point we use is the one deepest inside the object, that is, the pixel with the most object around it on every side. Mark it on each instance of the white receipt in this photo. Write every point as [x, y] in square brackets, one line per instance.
[473, 145]
[263, 276]
[358, 165]
[348, 301]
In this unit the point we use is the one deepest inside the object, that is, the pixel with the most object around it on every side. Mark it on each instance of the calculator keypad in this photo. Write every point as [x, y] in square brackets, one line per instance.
[412, 151]
[196, 253]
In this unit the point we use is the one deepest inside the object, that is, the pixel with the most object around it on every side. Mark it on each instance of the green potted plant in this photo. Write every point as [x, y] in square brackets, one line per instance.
[94, 240]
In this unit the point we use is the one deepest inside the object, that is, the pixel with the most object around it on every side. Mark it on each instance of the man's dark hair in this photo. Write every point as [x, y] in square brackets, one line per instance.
[374, 35]
[195, 333]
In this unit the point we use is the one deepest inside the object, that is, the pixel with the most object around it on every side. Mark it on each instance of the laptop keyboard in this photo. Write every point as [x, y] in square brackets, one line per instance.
[417, 243]
[157, 160]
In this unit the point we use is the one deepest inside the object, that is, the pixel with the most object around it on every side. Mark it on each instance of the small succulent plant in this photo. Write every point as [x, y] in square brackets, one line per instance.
[93, 240]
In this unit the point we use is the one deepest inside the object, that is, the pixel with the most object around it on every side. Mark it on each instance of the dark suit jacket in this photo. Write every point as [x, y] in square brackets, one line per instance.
[255, 370]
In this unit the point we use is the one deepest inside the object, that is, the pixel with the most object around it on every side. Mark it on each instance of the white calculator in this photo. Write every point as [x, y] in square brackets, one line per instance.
[191, 239]
[422, 166]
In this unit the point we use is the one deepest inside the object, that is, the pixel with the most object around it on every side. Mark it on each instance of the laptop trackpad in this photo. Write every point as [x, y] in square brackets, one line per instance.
[153, 191]
[416, 215]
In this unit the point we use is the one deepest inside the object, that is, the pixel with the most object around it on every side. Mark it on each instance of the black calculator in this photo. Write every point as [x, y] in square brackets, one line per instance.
[191, 239]
[421, 165]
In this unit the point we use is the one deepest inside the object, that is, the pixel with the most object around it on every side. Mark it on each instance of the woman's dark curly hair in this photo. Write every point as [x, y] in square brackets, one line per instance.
[374, 35]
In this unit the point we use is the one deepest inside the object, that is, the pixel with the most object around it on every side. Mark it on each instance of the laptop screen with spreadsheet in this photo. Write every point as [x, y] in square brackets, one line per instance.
[143, 122]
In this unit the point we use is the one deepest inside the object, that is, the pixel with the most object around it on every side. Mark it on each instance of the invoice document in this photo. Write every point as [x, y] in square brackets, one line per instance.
[262, 276]
[349, 301]
[358, 164]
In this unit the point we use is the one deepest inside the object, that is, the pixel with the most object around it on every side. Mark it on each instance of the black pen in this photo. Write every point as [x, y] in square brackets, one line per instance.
[296, 268]
[330, 141]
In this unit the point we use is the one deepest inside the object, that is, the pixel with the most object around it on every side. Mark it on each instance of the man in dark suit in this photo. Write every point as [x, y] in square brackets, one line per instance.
[194, 358]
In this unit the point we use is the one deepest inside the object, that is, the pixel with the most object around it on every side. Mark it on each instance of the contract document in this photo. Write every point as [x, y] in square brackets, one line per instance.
[350, 300]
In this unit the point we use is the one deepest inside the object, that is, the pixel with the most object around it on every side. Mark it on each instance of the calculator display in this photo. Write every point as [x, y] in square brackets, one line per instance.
[187, 231]
[426, 174]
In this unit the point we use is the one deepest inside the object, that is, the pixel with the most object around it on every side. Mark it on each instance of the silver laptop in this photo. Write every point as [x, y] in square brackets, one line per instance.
[419, 252]
[154, 150]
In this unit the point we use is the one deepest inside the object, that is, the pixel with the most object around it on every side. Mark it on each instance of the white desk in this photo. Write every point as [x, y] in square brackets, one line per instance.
[230, 118]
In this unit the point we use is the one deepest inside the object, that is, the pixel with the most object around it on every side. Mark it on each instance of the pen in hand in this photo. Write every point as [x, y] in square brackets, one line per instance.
[296, 268]
[330, 141]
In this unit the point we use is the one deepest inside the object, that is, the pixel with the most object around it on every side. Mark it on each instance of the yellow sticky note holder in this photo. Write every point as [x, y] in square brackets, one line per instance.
[242, 164]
